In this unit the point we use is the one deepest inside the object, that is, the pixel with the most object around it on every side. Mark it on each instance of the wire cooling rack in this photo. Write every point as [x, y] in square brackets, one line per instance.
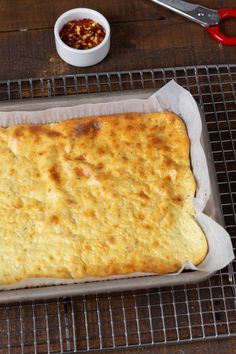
[167, 315]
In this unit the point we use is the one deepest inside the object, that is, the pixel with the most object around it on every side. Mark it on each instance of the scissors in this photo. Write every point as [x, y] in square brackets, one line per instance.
[208, 18]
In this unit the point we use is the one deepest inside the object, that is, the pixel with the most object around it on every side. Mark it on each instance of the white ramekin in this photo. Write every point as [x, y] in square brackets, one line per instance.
[82, 57]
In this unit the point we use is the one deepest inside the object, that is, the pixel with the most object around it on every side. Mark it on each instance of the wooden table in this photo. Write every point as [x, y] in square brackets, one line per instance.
[144, 35]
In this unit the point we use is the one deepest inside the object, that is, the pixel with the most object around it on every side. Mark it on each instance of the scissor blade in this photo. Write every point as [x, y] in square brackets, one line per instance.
[177, 5]
[200, 14]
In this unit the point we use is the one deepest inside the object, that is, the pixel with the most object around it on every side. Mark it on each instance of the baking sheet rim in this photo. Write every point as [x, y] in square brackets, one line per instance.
[185, 277]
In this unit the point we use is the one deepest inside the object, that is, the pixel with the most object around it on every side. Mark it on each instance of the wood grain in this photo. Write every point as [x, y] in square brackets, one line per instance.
[152, 45]
[29, 14]
[220, 346]
[144, 35]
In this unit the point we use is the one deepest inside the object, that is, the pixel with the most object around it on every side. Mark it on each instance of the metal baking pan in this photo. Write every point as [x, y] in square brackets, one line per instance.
[213, 209]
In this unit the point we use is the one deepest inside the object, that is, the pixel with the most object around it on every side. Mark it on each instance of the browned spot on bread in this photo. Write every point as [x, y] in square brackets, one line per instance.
[168, 163]
[71, 201]
[81, 173]
[87, 247]
[177, 199]
[101, 150]
[155, 244]
[18, 132]
[140, 216]
[52, 133]
[166, 148]
[167, 179]
[40, 129]
[54, 174]
[112, 269]
[127, 143]
[158, 143]
[81, 157]
[87, 128]
[155, 140]
[111, 240]
[130, 127]
[113, 134]
[172, 118]
[54, 219]
[142, 172]
[84, 268]
[12, 171]
[147, 227]
[143, 195]
[142, 126]
[18, 203]
[100, 165]
[41, 153]
[128, 268]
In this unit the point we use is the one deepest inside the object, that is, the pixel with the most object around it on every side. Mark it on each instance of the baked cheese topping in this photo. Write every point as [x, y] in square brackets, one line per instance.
[97, 196]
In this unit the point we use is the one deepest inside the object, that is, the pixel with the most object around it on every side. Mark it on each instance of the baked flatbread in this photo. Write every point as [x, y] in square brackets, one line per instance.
[97, 196]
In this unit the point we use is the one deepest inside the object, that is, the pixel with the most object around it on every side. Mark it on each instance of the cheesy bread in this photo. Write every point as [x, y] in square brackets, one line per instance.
[97, 196]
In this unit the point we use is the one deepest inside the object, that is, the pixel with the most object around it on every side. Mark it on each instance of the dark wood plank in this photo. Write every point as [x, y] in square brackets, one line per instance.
[152, 44]
[144, 35]
[20, 15]
[30, 14]
[220, 346]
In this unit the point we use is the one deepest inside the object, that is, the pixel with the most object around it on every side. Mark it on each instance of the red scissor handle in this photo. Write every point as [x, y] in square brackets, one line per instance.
[215, 30]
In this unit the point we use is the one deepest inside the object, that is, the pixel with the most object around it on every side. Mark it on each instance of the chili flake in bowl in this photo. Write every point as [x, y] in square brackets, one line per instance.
[82, 37]
[82, 34]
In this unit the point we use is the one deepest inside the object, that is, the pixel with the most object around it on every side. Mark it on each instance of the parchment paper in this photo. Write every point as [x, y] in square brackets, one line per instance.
[171, 97]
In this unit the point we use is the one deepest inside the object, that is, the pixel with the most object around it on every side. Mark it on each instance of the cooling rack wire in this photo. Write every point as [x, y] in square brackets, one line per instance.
[153, 316]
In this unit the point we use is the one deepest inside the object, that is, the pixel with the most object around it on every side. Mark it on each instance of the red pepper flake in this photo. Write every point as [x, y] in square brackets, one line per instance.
[82, 34]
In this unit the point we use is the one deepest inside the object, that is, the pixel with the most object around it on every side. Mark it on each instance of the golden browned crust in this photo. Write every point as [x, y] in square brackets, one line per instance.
[97, 196]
